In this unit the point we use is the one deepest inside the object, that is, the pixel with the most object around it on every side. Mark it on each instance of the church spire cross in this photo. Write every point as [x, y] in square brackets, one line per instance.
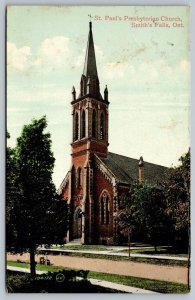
[90, 23]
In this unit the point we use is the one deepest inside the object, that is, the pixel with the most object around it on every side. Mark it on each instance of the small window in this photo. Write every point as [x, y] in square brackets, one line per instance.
[102, 210]
[83, 124]
[76, 129]
[105, 208]
[78, 178]
[102, 126]
[94, 124]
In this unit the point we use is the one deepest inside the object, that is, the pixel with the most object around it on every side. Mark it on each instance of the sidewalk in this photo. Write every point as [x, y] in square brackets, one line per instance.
[103, 283]
[119, 267]
[113, 253]
[23, 270]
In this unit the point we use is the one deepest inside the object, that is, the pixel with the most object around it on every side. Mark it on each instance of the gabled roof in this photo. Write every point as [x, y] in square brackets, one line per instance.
[126, 169]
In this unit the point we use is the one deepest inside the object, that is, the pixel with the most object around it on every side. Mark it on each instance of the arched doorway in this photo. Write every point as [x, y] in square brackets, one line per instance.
[77, 228]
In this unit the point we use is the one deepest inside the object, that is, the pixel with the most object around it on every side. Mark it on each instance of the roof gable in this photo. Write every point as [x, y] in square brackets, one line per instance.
[126, 169]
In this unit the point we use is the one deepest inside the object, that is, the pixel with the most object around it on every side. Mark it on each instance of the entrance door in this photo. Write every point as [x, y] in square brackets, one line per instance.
[77, 223]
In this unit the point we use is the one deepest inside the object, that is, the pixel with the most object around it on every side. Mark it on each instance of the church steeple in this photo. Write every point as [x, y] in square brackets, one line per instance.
[90, 109]
[90, 69]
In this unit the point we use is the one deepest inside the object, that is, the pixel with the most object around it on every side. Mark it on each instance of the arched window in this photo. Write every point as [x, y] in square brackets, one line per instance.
[105, 208]
[102, 126]
[83, 124]
[76, 128]
[78, 178]
[102, 209]
[94, 123]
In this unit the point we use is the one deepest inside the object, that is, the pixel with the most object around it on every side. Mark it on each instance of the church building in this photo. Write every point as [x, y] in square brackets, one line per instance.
[98, 179]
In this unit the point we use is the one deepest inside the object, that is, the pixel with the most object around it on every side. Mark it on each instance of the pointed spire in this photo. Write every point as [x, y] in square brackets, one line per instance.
[90, 69]
[73, 90]
[73, 93]
[141, 169]
[106, 93]
[141, 161]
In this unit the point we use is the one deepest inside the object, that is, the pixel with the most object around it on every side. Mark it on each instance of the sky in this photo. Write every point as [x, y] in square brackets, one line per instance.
[146, 69]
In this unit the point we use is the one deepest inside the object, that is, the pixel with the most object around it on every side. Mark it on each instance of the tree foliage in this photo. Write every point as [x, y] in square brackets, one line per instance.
[126, 217]
[163, 211]
[177, 192]
[39, 216]
[12, 194]
[150, 211]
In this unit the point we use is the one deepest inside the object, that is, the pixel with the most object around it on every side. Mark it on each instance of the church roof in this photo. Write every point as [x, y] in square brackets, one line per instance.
[90, 69]
[126, 169]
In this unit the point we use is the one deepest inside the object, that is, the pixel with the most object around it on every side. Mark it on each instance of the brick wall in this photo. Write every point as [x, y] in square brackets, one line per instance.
[103, 232]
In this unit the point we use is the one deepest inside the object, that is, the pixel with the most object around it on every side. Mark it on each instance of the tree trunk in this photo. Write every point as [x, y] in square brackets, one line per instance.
[155, 248]
[32, 262]
[129, 240]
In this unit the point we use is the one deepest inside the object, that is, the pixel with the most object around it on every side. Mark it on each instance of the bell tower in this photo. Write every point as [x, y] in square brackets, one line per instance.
[90, 109]
[90, 137]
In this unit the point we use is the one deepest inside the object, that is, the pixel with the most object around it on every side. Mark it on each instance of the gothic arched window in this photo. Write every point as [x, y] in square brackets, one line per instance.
[94, 123]
[76, 128]
[105, 208]
[83, 124]
[102, 126]
[78, 178]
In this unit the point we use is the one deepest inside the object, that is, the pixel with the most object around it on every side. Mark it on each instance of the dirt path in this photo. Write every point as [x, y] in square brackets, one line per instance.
[167, 273]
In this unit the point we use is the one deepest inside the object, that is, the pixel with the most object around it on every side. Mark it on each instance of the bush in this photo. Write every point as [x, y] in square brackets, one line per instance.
[16, 281]
[64, 281]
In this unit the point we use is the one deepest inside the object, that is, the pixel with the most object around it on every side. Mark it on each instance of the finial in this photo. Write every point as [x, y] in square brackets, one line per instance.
[73, 89]
[73, 93]
[106, 94]
[141, 162]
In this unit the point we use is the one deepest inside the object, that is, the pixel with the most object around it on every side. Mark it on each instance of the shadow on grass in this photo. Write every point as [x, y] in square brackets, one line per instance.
[63, 281]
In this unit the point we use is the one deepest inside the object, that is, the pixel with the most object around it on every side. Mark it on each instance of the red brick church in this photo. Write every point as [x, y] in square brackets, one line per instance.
[98, 180]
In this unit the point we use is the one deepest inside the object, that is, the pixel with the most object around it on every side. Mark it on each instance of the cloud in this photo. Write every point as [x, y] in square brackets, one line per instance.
[153, 101]
[147, 74]
[53, 52]
[46, 96]
[79, 61]
[18, 58]
[115, 69]
[99, 53]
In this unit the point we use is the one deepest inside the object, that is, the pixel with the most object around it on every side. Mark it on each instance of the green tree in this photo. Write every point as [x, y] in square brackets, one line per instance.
[40, 215]
[177, 191]
[150, 211]
[12, 194]
[126, 218]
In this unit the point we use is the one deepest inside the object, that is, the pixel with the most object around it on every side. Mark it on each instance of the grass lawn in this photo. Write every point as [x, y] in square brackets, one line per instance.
[166, 251]
[148, 284]
[82, 247]
[161, 253]
[154, 261]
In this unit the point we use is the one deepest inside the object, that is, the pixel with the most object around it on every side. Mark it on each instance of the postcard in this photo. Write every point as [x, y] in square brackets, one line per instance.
[98, 149]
